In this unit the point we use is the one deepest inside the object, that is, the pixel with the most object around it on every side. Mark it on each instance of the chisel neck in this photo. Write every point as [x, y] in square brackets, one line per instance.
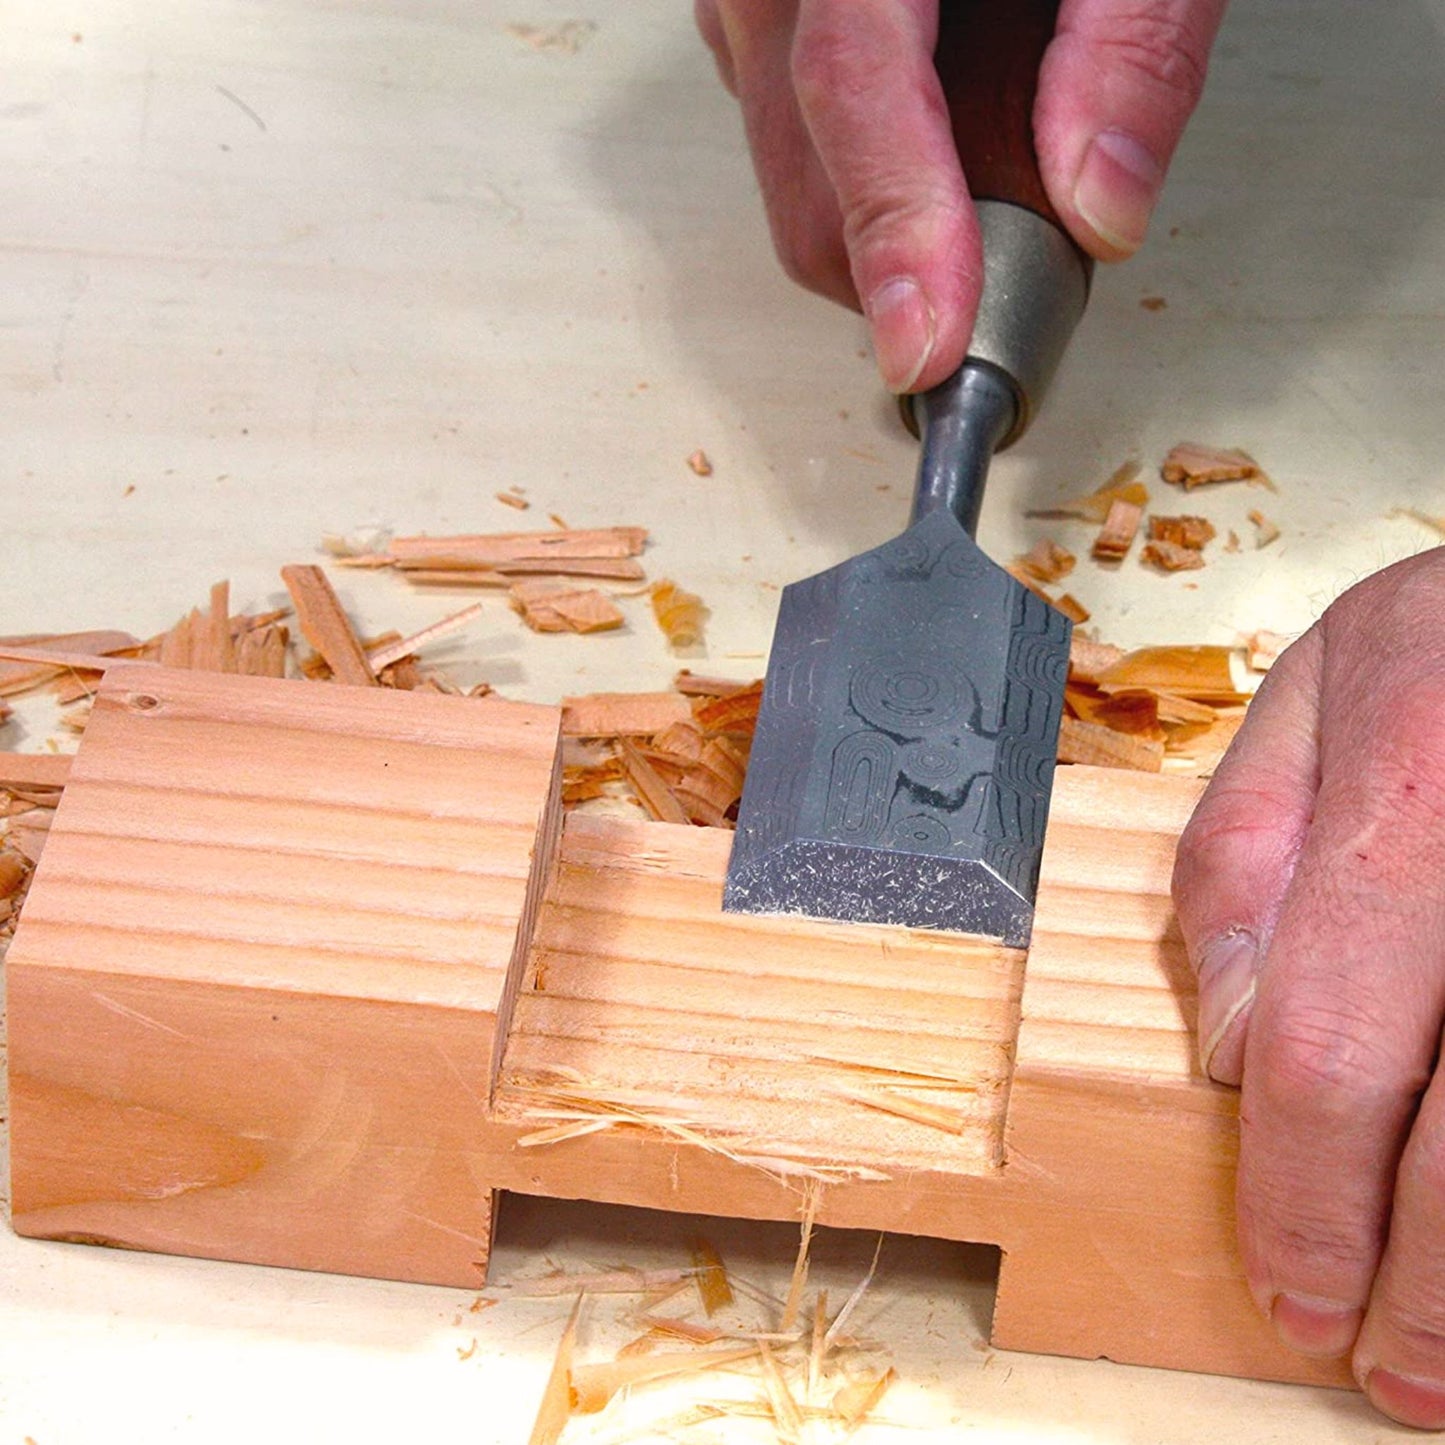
[961, 423]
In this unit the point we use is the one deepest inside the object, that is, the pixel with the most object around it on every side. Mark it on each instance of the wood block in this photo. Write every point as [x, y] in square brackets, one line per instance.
[293, 984]
[261, 984]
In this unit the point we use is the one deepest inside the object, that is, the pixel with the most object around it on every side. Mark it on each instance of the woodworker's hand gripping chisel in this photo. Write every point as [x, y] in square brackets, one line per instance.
[904, 754]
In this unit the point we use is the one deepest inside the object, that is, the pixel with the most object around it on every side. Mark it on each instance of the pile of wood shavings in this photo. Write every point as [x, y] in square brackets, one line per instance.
[804, 1367]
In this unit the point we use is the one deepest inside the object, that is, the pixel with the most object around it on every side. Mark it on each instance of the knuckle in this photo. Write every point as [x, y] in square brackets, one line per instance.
[1331, 1059]
[1235, 829]
[1161, 41]
[831, 65]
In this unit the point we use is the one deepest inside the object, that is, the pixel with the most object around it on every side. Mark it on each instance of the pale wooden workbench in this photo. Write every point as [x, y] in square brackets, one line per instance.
[273, 270]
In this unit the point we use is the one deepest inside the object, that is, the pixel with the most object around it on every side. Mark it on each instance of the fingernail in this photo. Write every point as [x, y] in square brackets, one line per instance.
[1312, 1326]
[903, 332]
[1117, 188]
[1228, 968]
[1411, 1401]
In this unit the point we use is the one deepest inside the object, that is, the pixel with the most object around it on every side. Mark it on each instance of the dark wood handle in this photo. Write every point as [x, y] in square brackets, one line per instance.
[988, 59]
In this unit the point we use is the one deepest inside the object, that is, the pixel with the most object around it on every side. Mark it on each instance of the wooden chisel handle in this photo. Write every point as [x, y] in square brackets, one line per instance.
[988, 57]
[1035, 279]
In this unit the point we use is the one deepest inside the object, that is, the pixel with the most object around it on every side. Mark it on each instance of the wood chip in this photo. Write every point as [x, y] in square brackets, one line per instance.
[1171, 557]
[325, 626]
[691, 685]
[1202, 672]
[622, 714]
[699, 463]
[550, 606]
[679, 613]
[1425, 519]
[34, 770]
[501, 550]
[1262, 649]
[555, 1407]
[1123, 486]
[1045, 561]
[594, 1385]
[1192, 532]
[1265, 531]
[1093, 743]
[653, 792]
[1192, 465]
[28, 670]
[1071, 607]
[857, 1400]
[1116, 536]
[14, 869]
[1089, 660]
[712, 1277]
[513, 499]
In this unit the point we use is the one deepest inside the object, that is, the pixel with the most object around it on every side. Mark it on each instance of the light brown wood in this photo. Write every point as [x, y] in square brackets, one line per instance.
[324, 625]
[34, 770]
[307, 975]
[269, 971]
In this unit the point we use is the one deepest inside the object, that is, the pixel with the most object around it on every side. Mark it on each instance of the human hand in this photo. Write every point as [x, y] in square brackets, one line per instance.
[1310, 887]
[865, 196]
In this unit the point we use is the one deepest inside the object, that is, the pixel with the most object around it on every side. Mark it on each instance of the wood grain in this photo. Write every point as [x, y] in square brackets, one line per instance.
[308, 974]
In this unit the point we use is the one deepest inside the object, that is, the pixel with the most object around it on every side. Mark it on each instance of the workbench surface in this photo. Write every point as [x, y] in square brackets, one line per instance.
[274, 271]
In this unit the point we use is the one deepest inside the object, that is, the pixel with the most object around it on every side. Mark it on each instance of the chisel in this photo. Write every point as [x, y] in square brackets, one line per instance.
[904, 754]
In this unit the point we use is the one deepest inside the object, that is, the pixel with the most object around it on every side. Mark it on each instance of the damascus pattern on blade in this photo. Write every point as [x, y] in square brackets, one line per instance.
[905, 747]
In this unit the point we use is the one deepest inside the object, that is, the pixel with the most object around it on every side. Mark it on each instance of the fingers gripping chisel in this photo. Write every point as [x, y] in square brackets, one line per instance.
[904, 753]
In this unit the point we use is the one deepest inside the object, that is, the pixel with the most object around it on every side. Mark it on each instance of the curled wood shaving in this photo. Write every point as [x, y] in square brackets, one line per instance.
[700, 464]
[679, 613]
[1116, 536]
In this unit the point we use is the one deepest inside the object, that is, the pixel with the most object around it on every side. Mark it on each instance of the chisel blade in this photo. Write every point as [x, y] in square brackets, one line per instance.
[905, 747]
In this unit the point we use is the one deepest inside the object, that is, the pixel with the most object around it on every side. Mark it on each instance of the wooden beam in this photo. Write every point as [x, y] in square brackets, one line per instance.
[306, 975]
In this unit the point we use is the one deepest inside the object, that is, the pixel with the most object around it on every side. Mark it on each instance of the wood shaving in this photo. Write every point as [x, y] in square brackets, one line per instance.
[1425, 519]
[700, 464]
[1123, 486]
[1116, 536]
[549, 606]
[566, 38]
[1071, 607]
[1262, 649]
[325, 626]
[1265, 531]
[1100, 746]
[679, 613]
[1191, 465]
[1045, 562]
[1192, 532]
[555, 1408]
[1171, 557]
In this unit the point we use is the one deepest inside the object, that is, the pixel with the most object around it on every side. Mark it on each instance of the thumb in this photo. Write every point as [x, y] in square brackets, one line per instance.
[1238, 853]
[1118, 84]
